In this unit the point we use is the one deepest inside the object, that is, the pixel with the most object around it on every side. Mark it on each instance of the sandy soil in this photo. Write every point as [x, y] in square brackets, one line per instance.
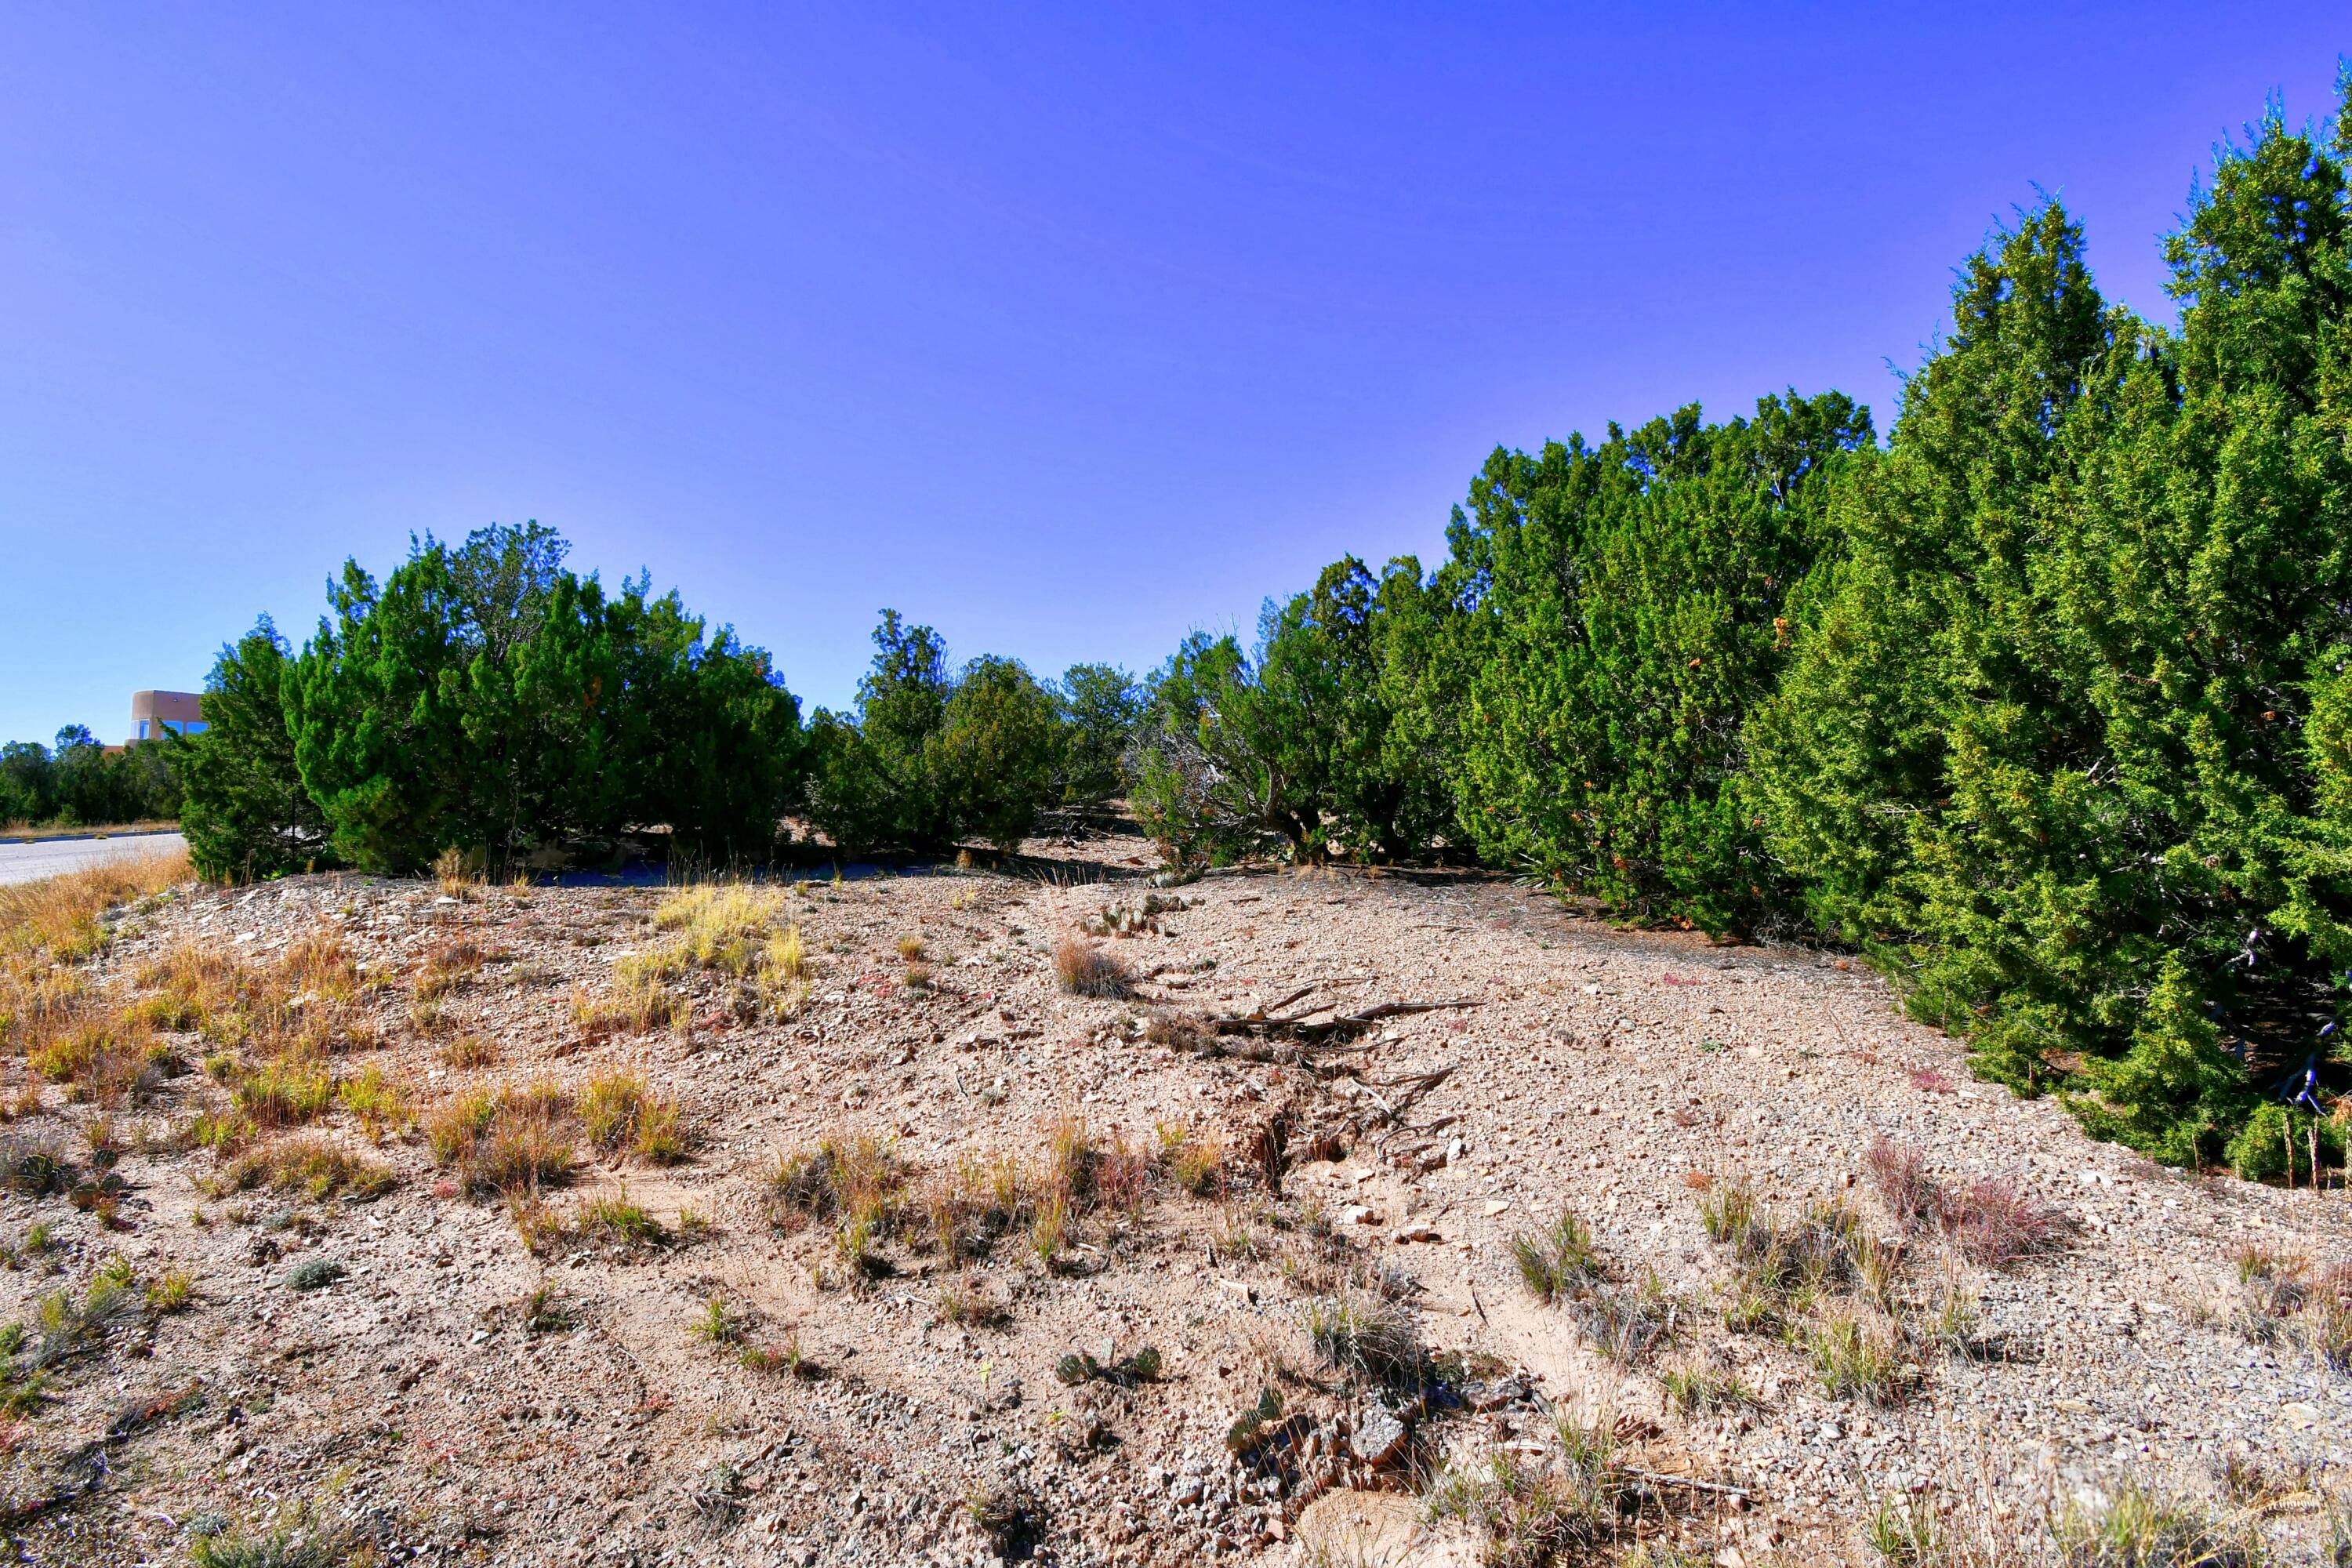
[412, 1407]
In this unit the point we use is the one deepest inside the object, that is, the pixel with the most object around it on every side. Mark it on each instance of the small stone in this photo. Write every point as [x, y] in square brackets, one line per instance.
[1495, 1395]
[1379, 1437]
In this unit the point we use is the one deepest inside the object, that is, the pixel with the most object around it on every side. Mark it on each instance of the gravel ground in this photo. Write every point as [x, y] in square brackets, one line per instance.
[1616, 1074]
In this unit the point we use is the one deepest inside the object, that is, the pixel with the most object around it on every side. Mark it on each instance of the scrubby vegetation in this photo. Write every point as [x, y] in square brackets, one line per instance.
[2041, 706]
[78, 783]
[484, 707]
[486, 698]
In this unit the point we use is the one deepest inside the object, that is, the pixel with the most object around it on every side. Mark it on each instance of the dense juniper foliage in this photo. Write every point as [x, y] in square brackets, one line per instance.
[2040, 704]
[486, 701]
[78, 782]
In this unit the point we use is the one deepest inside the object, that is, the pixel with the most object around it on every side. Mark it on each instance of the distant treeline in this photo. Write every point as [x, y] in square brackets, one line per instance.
[486, 700]
[2041, 705]
[79, 784]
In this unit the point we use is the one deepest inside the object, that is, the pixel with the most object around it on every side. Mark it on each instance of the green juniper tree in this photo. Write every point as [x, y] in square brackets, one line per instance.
[929, 759]
[486, 699]
[247, 814]
[2057, 745]
[1299, 746]
[1621, 609]
[1000, 741]
[1097, 706]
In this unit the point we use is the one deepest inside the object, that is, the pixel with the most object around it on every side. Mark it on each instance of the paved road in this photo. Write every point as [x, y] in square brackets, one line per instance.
[50, 856]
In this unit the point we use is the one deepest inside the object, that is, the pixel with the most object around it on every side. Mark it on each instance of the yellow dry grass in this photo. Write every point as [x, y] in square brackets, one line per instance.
[60, 916]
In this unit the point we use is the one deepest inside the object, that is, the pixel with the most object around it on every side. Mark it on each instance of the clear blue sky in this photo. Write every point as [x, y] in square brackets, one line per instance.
[1062, 329]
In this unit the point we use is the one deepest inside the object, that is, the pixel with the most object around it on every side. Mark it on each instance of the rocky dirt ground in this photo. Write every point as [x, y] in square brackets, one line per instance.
[675, 1354]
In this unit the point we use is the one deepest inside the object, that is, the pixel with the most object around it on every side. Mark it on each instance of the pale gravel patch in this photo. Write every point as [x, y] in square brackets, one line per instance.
[1568, 1078]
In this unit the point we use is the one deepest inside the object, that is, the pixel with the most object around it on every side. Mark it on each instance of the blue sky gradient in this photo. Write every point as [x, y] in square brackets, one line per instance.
[1064, 330]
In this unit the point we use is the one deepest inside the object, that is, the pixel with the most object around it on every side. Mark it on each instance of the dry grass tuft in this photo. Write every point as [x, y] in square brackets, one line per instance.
[1363, 1335]
[871, 1197]
[1990, 1221]
[1084, 969]
[469, 1051]
[1705, 1385]
[638, 1004]
[1179, 1030]
[1854, 1360]
[2135, 1527]
[1195, 1157]
[1899, 1172]
[618, 1111]
[1561, 1261]
[723, 926]
[461, 874]
[1993, 1224]
[448, 968]
[507, 1144]
[786, 971]
[453, 1126]
[284, 1093]
[613, 1218]
[60, 917]
[381, 1106]
[312, 1165]
[520, 1153]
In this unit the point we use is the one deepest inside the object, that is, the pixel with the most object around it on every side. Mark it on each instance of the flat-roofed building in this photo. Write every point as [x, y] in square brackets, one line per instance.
[153, 713]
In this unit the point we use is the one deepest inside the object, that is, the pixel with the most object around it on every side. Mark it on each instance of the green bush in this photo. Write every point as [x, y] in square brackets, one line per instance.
[484, 699]
[81, 783]
[1625, 612]
[870, 781]
[247, 814]
[996, 753]
[2259, 1150]
[2045, 706]
[929, 759]
[1300, 747]
[2062, 746]
[1097, 706]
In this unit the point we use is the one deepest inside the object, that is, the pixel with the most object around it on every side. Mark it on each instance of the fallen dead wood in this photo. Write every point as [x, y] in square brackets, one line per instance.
[1255, 1051]
[1270, 1019]
[1691, 1483]
[1413, 1088]
[1269, 1025]
[1267, 1011]
[1430, 1079]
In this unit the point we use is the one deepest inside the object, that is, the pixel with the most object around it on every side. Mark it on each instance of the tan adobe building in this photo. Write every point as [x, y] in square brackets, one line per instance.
[153, 713]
